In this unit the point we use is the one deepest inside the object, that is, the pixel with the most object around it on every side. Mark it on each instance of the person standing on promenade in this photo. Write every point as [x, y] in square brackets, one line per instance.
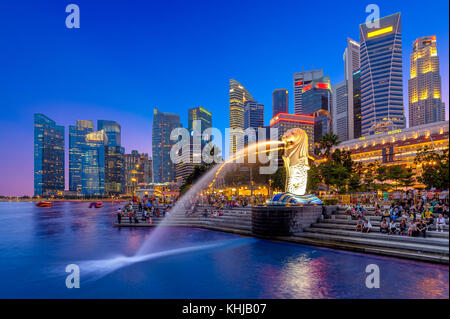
[119, 215]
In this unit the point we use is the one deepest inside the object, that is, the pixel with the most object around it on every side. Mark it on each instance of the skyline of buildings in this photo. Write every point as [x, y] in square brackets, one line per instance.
[369, 101]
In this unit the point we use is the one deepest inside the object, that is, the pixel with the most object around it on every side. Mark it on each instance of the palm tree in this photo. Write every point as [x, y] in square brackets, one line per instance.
[327, 142]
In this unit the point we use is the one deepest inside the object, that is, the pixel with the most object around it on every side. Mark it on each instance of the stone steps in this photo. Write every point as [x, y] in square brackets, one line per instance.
[379, 236]
[353, 222]
[432, 234]
[363, 248]
[369, 242]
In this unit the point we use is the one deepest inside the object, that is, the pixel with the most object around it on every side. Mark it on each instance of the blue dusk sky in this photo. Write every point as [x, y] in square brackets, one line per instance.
[130, 56]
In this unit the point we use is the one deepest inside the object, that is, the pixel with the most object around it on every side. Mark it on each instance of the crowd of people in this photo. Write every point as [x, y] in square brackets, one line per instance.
[148, 207]
[410, 216]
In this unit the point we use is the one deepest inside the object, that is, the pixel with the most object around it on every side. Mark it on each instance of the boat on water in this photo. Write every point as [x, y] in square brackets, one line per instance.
[96, 205]
[44, 204]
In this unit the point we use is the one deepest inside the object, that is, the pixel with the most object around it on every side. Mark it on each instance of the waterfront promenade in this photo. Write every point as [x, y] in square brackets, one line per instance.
[336, 230]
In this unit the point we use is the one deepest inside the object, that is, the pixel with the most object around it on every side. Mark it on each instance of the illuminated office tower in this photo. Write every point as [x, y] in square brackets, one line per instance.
[238, 96]
[352, 77]
[199, 114]
[114, 158]
[302, 79]
[114, 170]
[340, 114]
[77, 138]
[163, 124]
[93, 164]
[48, 156]
[138, 170]
[381, 76]
[253, 118]
[112, 130]
[424, 85]
[199, 119]
[346, 109]
[280, 101]
[317, 101]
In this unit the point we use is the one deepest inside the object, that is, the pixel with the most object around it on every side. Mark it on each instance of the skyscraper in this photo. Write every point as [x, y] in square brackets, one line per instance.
[280, 101]
[199, 119]
[114, 158]
[114, 170]
[317, 101]
[340, 115]
[199, 114]
[253, 118]
[346, 110]
[48, 156]
[163, 124]
[424, 85]
[302, 79]
[93, 164]
[112, 130]
[138, 170]
[77, 137]
[381, 76]
[238, 96]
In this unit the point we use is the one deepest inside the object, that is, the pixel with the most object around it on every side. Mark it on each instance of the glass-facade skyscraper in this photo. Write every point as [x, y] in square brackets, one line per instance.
[48, 156]
[381, 76]
[163, 124]
[77, 138]
[317, 101]
[112, 130]
[280, 101]
[253, 118]
[114, 170]
[238, 96]
[301, 80]
[424, 85]
[114, 158]
[93, 164]
[199, 114]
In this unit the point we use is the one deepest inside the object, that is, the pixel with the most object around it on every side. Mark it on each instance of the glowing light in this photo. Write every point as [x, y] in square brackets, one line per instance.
[380, 32]
[306, 88]
[322, 85]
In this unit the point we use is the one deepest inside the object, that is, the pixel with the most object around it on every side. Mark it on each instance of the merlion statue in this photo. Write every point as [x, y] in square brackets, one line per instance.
[295, 159]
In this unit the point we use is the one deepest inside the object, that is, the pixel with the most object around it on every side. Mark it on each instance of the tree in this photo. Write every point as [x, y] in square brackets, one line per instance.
[198, 172]
[313, 177]
[400, 175]
[434, 166]
[326, 143]
[279, 179]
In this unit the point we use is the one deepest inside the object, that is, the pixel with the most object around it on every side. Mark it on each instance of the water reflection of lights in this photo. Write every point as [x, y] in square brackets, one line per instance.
[305, 277]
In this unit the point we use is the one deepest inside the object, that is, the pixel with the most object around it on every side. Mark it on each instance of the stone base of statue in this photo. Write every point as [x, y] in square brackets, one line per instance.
[288, 198]
[269, 221]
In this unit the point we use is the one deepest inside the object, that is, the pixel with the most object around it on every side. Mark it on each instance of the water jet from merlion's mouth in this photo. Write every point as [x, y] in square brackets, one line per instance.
[206, 181]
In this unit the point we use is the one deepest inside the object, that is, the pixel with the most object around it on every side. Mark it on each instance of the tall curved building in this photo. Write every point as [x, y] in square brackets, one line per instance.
[381, 76]
[238, 96]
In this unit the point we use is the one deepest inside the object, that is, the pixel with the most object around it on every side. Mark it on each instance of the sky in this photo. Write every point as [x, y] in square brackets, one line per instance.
[130, 56]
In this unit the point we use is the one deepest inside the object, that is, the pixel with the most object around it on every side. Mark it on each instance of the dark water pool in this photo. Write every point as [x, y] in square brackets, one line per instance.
[36, 245]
